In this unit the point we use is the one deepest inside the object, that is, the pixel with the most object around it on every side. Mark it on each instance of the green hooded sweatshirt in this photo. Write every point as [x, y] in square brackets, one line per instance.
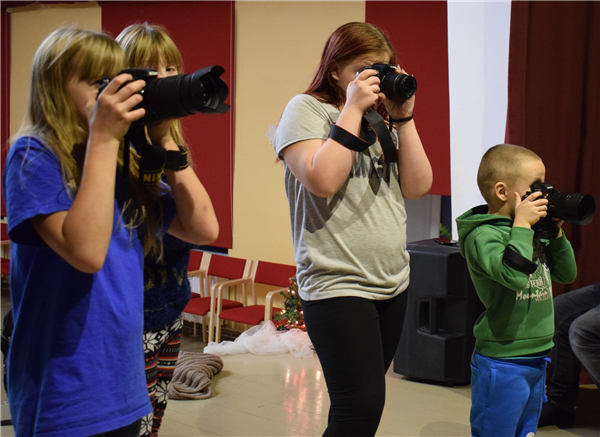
[519, 316]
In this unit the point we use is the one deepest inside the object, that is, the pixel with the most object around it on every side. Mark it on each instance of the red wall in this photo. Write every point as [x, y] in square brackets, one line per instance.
[204, 33]
[5, 91]
[418, 31]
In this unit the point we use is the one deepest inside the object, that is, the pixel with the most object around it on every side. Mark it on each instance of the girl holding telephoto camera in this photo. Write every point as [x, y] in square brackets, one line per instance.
[167, 290]
[349, 222]
[79, 233]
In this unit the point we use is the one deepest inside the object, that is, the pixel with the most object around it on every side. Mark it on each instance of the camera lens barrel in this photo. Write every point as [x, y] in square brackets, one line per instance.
[399, 85]
[572, 207]
[183, 95]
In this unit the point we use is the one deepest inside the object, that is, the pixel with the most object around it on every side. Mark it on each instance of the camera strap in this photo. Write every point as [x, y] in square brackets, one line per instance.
[152, 158]
[374, 128]
[377, 125]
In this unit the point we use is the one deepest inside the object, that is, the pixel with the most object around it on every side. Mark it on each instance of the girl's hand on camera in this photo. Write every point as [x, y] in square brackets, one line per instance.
[110, 112]
[363, 91]
[160, 134]
[398, 108]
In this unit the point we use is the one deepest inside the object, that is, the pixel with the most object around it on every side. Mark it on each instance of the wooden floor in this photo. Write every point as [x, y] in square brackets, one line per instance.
[281, 395]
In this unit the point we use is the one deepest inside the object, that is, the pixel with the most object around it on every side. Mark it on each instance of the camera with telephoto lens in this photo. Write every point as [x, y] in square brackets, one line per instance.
[178, 96]
[572, 207]
[393, 84]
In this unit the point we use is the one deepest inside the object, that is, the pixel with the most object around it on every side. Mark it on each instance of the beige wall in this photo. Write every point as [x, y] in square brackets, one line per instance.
[277, 50]
[278, 47]
[30, 25]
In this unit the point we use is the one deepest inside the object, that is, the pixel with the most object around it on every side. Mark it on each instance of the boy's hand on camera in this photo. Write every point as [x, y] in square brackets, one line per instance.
[398, 109]
[363, 91]
[529, 211]
[559, 223]
[110, 115]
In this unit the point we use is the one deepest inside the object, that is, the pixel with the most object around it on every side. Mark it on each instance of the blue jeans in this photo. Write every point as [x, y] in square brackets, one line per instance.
[506, 395]
[576, 341]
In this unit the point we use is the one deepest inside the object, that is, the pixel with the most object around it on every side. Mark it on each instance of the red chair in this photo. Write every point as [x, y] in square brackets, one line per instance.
[198, 277]
[237, 272]
[266, 273]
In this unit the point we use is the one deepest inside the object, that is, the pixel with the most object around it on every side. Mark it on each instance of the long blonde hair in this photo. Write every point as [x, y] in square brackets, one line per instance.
[51, 115]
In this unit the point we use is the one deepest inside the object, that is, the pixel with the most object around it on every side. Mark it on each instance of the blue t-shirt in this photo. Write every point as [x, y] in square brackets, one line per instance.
[76, 360]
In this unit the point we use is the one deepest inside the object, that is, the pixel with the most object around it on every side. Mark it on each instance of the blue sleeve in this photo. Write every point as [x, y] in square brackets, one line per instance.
[169, 211]
[33, 185]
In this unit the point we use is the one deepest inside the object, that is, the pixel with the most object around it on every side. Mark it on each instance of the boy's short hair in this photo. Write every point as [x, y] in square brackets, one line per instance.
[501, 163]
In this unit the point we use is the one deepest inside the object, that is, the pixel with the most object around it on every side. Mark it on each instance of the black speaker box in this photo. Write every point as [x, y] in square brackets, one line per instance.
[437, 338]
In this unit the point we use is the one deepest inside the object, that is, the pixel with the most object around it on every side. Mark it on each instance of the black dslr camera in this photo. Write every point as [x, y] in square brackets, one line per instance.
[572, 207]
[393, 85]
[167, 98]
[178, 96]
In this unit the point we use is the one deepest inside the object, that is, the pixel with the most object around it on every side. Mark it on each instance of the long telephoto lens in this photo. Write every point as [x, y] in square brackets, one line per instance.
[185, 94]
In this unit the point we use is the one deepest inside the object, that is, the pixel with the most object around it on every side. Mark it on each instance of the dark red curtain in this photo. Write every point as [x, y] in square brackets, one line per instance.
[554, 107]
[203, 32]
[5, 92]
[419, 33]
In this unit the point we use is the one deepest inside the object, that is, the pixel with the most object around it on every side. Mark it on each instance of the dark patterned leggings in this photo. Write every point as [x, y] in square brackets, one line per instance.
[161, 349]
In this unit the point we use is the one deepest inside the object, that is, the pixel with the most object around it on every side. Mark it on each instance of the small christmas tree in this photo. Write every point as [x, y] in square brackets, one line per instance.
[292, 309]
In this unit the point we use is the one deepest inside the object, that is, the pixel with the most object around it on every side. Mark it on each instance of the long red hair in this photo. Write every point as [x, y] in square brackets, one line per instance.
[345, 44]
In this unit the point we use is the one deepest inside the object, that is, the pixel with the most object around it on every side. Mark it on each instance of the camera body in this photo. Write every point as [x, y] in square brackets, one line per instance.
[572, 207]
[394, 85]
[178, 96]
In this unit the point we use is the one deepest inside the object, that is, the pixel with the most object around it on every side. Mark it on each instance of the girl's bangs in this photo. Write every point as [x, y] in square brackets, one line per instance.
[156, 52]
[99, 58]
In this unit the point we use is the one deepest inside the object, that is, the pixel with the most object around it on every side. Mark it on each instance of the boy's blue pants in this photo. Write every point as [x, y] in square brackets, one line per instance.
[506, 395]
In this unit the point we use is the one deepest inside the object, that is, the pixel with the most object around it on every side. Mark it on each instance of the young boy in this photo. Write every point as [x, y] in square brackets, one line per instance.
[512, 274]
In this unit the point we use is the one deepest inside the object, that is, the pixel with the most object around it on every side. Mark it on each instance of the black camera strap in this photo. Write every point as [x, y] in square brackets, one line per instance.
[377, 125]
[152, 158]
[374, 127]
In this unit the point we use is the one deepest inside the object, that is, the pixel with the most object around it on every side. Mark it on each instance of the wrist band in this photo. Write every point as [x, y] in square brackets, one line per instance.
[177, 160]
[401, 120]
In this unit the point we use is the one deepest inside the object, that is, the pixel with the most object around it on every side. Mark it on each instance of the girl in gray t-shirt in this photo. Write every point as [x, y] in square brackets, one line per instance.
[349, 222]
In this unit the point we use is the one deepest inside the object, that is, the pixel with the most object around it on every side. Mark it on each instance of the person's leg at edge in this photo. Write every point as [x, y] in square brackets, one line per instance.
[584, 335]
[564, 367]
[347, 337]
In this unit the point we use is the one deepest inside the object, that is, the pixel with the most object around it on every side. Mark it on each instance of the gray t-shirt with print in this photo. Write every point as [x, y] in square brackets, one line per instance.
[353, 243]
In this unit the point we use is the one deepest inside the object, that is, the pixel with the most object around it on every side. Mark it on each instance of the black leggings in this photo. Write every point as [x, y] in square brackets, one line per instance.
[132, 430]
[355, 340]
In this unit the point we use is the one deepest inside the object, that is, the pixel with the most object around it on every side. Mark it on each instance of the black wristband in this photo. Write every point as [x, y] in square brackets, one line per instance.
[402, 120]
[177, 160]
[346, 139]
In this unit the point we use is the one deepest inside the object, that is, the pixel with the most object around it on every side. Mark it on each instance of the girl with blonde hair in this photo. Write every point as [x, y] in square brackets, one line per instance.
[79, 233]
[167, 290]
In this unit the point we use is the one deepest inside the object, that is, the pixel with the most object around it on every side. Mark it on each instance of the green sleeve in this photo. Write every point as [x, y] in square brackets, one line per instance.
[486, 252]
[561, 260]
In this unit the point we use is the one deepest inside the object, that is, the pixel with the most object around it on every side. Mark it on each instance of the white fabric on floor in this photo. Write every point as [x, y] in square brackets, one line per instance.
[265, 340]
